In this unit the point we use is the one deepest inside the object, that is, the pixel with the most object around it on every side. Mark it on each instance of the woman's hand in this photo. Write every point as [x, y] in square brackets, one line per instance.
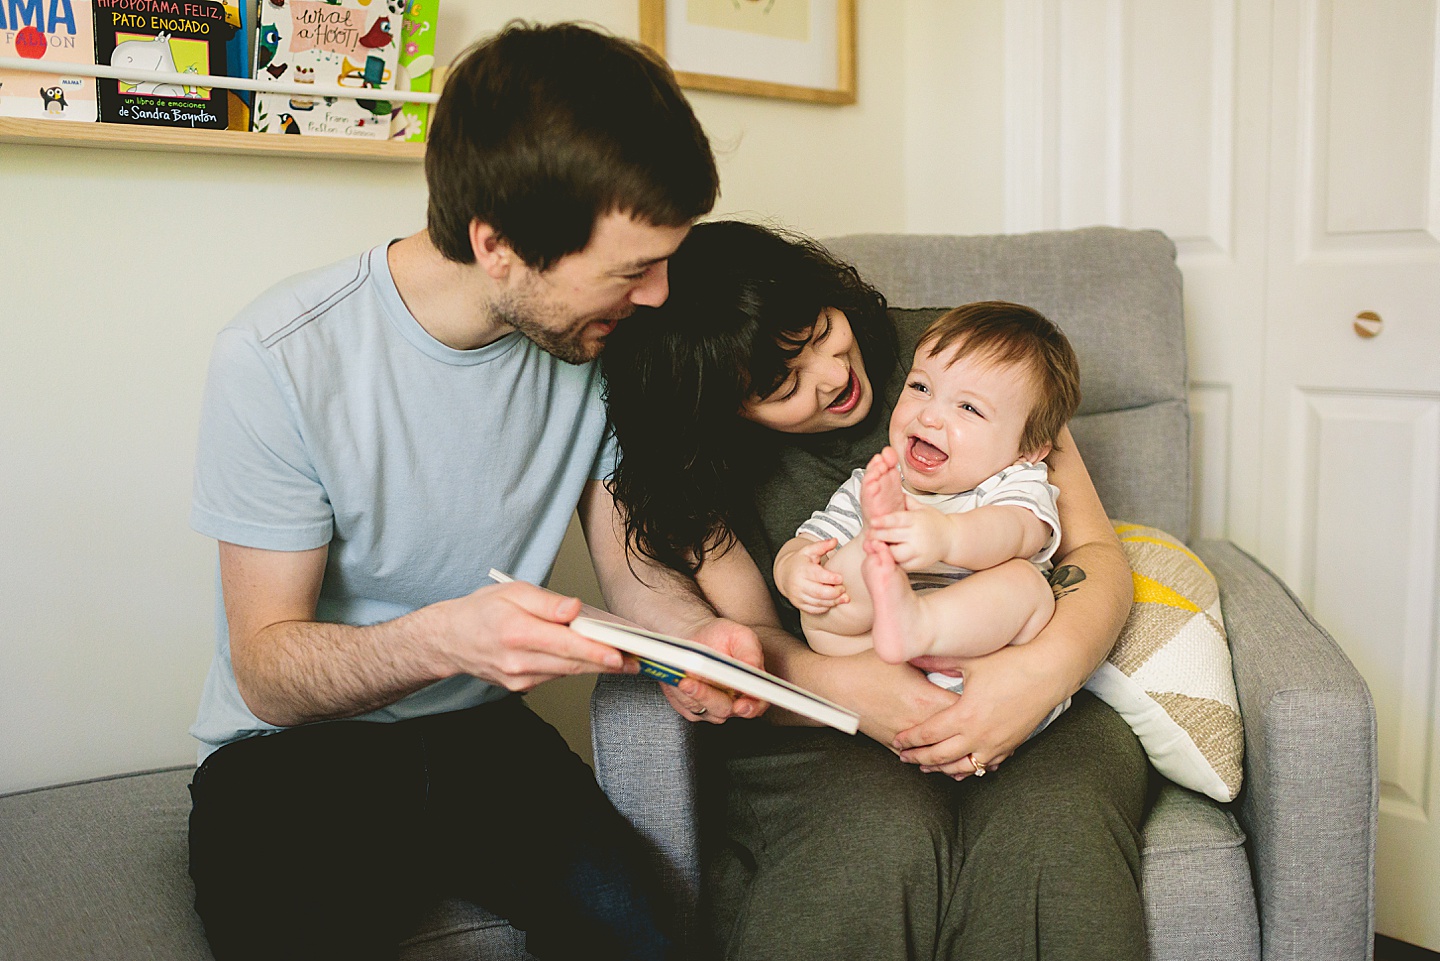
[695, 700]
[889, 698]
[1004, 700]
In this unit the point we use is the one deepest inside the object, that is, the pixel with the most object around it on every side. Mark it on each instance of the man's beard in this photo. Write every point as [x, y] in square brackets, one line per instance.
[567, 344]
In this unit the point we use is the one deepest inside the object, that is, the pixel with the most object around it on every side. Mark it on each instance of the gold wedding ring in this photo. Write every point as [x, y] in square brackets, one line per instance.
[975, 762]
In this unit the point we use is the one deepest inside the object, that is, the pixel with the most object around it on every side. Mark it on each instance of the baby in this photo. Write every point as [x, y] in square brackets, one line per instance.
[959, 499]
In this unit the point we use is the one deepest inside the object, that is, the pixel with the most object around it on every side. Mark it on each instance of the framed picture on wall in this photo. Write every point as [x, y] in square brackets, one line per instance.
[794, 49]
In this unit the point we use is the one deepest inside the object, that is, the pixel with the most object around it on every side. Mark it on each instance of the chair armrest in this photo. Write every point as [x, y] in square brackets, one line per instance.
[645, 760]
[1311, 794]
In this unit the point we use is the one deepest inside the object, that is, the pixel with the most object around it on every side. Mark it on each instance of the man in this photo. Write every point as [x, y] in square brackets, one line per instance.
[378, 434]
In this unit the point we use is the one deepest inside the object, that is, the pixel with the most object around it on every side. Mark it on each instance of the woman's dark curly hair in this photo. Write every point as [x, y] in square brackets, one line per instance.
[743, 300]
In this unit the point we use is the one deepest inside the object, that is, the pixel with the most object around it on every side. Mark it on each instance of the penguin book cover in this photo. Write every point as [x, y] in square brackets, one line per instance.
[351, 44]
[47, 31]
[163, 37]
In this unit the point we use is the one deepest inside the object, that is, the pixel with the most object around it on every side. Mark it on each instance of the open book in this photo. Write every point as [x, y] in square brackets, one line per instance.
[670, 659]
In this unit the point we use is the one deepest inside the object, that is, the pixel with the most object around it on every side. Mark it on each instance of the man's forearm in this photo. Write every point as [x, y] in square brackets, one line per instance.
[296, 672]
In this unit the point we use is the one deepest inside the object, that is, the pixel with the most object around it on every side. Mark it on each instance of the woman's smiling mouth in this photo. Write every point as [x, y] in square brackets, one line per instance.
[846, 400]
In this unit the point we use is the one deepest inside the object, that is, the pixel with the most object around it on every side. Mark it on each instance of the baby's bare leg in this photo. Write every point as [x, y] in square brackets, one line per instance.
[845, 629]
[1006, 604]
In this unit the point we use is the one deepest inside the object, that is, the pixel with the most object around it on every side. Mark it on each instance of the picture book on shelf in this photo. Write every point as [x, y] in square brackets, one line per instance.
[348, 43]
[165, 36]
[411, 121]
[240, 14]
[47, 31]
[671, 659]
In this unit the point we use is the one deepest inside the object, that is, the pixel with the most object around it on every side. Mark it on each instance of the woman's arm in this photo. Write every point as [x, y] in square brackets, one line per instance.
[1009, 692]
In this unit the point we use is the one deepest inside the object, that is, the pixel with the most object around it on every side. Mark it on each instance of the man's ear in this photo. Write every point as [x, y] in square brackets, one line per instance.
[491, 251]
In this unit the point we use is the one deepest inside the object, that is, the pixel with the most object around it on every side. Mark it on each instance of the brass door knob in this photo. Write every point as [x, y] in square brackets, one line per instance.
[1368, 324]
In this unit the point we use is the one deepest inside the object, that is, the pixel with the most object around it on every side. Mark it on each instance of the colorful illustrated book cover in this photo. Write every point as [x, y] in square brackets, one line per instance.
[57, 31]
[411, 121]
[166, 36]
[349, 43]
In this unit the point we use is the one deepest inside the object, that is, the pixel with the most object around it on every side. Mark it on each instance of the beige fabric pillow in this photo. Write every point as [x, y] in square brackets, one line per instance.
[1169, 674]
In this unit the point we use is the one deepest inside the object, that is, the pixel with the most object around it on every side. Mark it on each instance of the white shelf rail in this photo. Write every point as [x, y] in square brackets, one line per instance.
[132, 75]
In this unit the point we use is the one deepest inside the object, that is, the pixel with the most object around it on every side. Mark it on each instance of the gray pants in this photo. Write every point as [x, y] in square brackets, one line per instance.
[835, 849]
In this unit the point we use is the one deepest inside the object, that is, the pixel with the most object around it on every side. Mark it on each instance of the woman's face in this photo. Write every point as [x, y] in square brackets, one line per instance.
[826, 388]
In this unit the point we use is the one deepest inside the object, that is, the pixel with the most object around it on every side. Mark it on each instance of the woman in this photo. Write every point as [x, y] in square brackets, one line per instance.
[740, 405]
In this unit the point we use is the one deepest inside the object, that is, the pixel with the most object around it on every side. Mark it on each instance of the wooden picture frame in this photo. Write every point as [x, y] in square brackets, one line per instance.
[805, 52]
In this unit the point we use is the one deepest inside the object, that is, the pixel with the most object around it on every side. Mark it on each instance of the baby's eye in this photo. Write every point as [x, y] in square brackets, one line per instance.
[915, 385]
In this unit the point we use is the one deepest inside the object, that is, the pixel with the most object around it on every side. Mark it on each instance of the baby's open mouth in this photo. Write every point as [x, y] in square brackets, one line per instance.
[848, 398]
[924, 455]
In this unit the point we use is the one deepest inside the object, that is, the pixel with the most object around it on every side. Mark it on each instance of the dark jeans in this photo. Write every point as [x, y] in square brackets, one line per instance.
[329, 840]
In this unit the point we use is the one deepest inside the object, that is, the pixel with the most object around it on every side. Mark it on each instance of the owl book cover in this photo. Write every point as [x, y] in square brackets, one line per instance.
[165, 37]
[348, 43]
[47, 31]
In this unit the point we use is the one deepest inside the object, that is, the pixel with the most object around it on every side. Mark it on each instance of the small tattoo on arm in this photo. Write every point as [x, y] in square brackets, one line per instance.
[1064, 579]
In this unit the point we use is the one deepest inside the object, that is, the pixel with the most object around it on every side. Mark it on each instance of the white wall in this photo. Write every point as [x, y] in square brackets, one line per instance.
[120, 266]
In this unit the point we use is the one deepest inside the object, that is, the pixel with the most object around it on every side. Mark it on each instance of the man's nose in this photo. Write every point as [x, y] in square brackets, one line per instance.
[652, 291]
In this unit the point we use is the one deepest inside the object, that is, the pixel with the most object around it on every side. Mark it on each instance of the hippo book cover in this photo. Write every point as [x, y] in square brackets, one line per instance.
[47, 31]
[349, 43]
[163, 36]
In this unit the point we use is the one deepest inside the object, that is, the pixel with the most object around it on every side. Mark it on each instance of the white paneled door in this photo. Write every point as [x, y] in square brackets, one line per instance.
[1352, 397]
[1292, 150]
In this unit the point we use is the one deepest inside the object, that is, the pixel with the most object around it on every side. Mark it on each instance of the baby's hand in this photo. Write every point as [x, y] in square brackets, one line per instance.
[807, 583]
[918, 537]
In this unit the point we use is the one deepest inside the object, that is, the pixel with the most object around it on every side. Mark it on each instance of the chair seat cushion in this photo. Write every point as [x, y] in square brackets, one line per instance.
[1195, 881]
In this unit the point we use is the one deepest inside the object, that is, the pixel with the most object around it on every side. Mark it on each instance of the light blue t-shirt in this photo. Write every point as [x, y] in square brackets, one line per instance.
[331, 417]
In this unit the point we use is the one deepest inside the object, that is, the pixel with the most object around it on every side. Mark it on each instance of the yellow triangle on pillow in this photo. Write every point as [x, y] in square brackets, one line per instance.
[1148, 591]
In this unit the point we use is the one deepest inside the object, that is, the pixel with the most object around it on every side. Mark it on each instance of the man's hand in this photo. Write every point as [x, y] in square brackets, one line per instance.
[802, 577]
[514, 635]
[695, 700]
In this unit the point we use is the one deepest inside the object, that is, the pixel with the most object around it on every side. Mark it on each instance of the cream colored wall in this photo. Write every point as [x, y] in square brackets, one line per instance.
[120, 266]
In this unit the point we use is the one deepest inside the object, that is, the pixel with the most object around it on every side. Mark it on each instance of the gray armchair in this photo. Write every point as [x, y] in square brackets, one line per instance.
[1286, 871]
[98, 869]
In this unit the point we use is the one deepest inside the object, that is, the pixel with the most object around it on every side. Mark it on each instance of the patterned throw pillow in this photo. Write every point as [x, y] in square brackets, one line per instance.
[1169, 674]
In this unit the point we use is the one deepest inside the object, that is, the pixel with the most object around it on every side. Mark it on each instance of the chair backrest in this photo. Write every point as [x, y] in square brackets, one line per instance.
[1116, 294]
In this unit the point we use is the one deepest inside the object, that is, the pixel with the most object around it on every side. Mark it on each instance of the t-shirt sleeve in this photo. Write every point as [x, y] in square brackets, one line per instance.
[607, 457]
[841, 517]
[255, 483]
[1028, 486]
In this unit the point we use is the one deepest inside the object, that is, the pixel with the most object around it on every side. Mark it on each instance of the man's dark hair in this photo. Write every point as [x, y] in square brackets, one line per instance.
[541, 130]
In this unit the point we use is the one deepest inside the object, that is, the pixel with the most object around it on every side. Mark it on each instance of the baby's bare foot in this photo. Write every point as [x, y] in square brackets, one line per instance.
[898, 615]
[880, 490]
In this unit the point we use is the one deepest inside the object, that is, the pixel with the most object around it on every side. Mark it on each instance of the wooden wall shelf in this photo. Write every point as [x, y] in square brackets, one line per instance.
[136, 137]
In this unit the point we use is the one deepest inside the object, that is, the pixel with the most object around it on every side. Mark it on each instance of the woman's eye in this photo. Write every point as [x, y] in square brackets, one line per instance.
[822, 330]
